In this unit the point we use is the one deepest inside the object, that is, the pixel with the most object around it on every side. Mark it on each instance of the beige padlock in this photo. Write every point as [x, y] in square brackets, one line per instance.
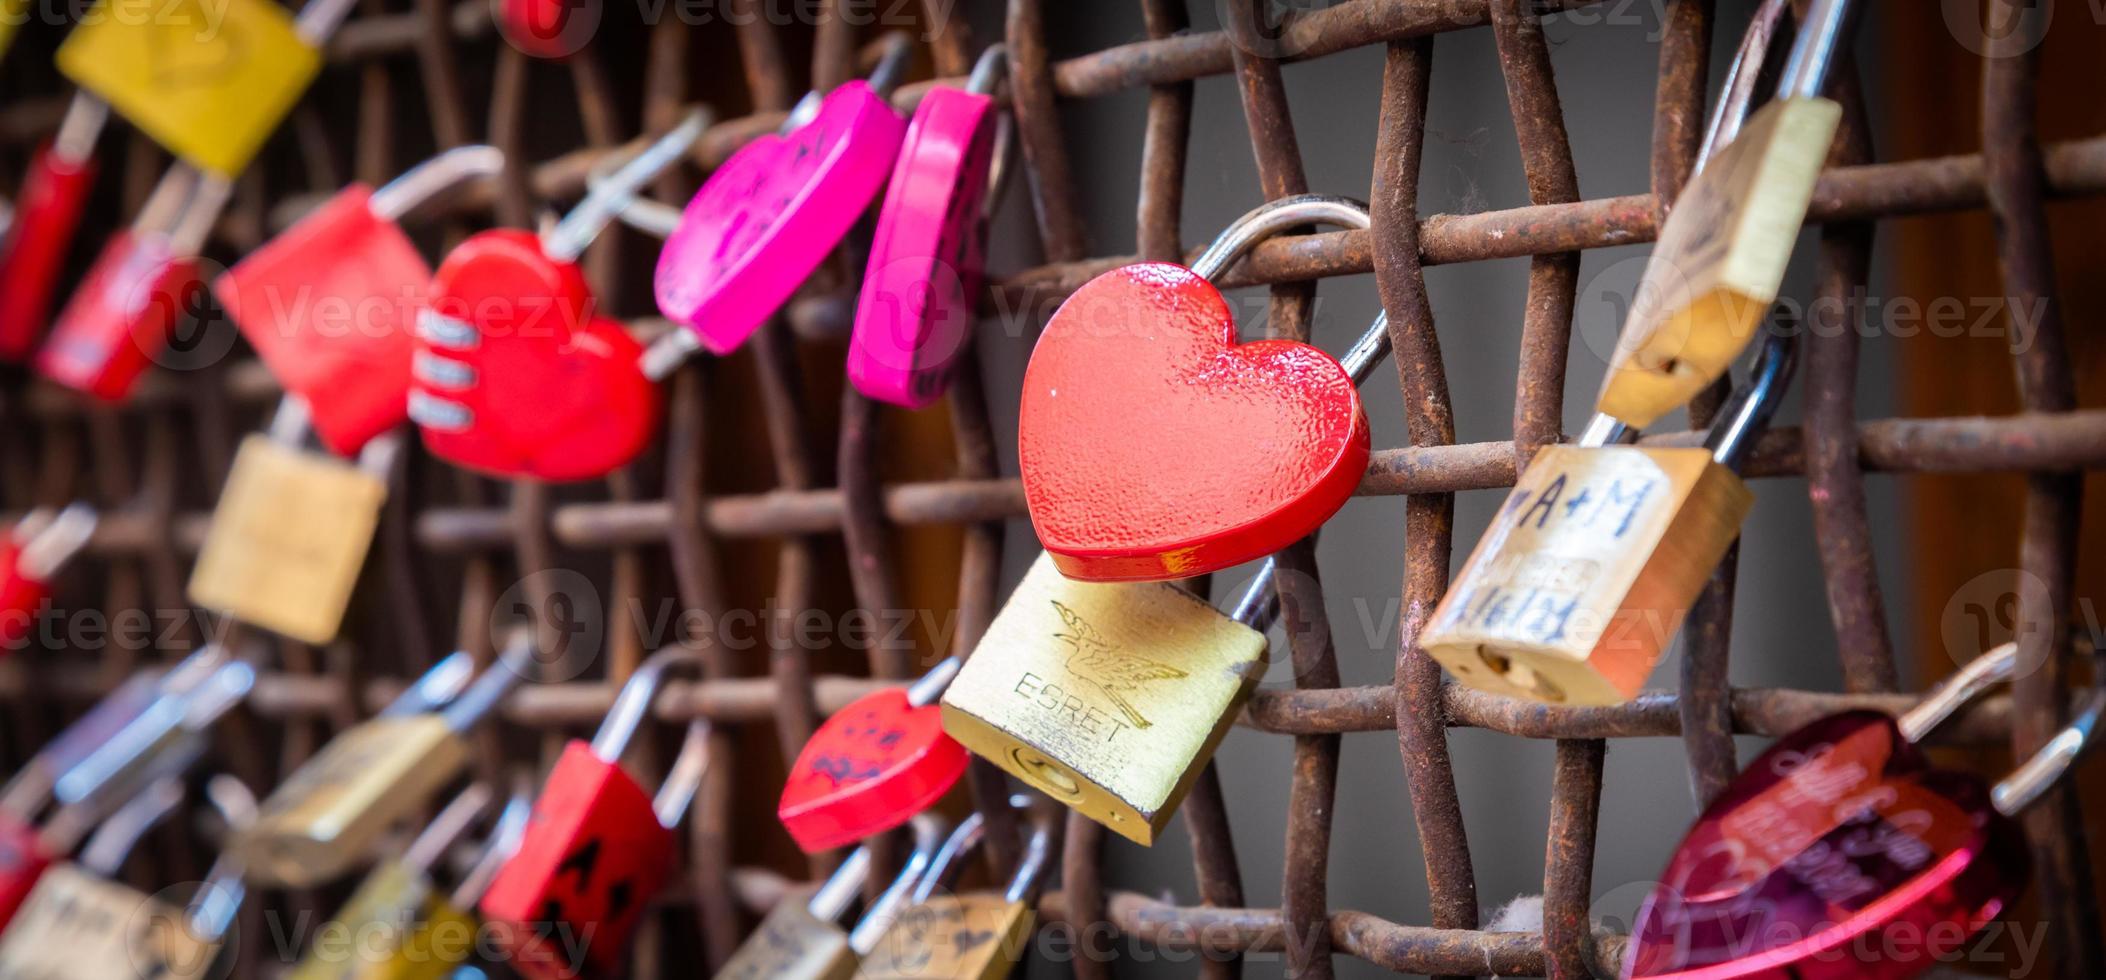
[805, 941]
[977, 935]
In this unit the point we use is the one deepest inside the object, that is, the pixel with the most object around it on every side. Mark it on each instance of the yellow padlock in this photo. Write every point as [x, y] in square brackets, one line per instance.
[805, 941]
[979, 935]
[12, 14]
[291, 531]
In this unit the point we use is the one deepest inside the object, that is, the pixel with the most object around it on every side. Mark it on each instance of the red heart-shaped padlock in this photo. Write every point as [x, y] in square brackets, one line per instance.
[870, 768]
[516, 375]
[1154, 446]
[1833, 842]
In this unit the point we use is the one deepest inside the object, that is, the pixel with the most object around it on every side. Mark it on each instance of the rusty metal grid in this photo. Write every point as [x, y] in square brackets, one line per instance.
[153, 464]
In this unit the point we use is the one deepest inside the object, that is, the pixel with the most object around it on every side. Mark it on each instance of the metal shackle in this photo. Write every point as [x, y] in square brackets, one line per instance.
[609, 199]
[970, 834]
[433, 177]
[1748, 410]
[496, 681]
[505, 837]
[210, 912]
[1805, 73]
[439, 684]
[53, 540]
[929, 838]
[634, 701]
[112, 842]
[445, 830]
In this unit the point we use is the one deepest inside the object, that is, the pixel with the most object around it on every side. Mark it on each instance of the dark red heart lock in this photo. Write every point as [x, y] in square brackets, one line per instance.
[921, 287]
[872, 766]
[46, 214]
[1154, 446]
[330, 304]
[598, 846]
[1841, 852]
[41, 544]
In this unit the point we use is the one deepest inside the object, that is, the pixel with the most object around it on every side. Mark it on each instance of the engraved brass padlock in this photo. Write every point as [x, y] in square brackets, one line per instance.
[805, 941]
[978, 935]
[325, 818]
[1722, 253]
[400, 924]
[1109, 697]
[1587, 571]
[291, 530]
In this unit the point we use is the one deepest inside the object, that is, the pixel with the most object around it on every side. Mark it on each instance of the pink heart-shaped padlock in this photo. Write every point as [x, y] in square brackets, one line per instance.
[917, 306]
[770, 215]
[515, 373]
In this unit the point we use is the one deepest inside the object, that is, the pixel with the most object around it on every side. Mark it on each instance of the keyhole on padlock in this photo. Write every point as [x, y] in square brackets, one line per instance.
[1521, 675]
[1047, 772]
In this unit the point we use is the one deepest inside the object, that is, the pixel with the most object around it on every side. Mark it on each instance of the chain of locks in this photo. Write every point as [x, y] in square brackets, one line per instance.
[1102, 684]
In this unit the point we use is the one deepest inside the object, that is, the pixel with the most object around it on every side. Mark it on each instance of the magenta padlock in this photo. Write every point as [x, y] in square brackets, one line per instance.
[1841, 852]
[767, 217]
[330, 304]
[922, 284]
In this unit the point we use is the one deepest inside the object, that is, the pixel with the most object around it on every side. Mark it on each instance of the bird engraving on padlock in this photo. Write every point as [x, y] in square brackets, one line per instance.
[1588, 569]
[873, 765]
[921, 286]
[1723, 250]
[771, 213]
[977, 934]
[1109, 697]
[599, 847]
[324, 819]
[806, 941]
[289, 536]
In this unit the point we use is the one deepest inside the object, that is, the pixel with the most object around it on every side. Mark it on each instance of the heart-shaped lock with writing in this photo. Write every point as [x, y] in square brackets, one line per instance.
[767, 217]
[1154, 446]
[922, 285]
[329, 304]
[598, 846]
[1842, 852]
[40, 545]
[873, 765]
[33, 252]
[515, 372]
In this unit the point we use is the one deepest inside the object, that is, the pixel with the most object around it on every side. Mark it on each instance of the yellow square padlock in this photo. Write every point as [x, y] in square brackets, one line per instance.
[12, 15]
[208, 79]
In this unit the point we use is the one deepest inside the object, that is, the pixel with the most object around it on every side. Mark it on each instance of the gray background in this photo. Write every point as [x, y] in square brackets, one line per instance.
[1606, 60]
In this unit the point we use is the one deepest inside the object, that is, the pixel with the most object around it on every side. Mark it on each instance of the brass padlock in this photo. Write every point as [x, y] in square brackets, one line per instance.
[324, 820]
[978, 935]
[805, 941]
[1109, 697]
[79, 925]
[1584, 577]
[399, 924]
[291, 530]
[1722, 253]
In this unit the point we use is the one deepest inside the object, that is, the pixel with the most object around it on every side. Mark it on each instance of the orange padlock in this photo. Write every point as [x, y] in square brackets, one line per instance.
[598, 846]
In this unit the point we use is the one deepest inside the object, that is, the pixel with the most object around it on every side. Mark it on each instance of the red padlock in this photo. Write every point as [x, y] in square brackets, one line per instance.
[329, 304]
[27, 850]
[46, 214]
[143, 284]
[550, 29]
[873, 765]
[598, 846]
[40, 545]
[515, 373]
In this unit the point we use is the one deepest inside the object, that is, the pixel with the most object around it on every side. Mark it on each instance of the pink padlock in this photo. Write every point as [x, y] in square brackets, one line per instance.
[772, 213]
[921, 287]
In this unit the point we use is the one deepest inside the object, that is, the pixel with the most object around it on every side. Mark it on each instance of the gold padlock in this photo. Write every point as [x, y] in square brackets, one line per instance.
[805, 941]
[325, 818]
[1109, 697]
[79, 925]
[291, 530]
[978, 935]
[1588, 569]
[1722, 254]
[399, 924]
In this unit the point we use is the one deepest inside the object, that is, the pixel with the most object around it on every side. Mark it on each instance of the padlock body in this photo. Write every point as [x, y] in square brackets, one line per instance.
[792, 944]
[974, 936]
[873, 766]
[1586, 573]
[21, 598]
[324, 820]
[287, 540]
[23, 859]
[1719, 262]
[329, 305]
[81, 927]
[394, 927]
[1109, 697]
[35, 248]
[120, 316]
[594, 855]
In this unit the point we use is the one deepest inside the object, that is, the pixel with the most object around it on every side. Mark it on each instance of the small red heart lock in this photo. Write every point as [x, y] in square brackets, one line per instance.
[121, 315]
[870, 768]
[516, 375]
[36, 244]
[548, 29]
[1154, 446]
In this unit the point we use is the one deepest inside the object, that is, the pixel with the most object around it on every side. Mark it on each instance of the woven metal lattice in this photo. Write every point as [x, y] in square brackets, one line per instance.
[405, 79]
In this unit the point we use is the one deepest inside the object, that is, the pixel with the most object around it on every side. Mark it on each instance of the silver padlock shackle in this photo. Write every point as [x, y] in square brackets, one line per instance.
[82, 126]
[505, 837]
[1748, 410]
[684, 776]
[838, 894]
[54, 541]
[608, 200]
[634, 701]
[2036, 775]
[211, 911]
[429, 847]
[1805, 73]
[989, 72]
[132, 748]
[930, 686]
[929, 836]
[440, 683]
[433, 177]
[73, 821]
[970, 834]
[652, 217]
[1814, 49]
[495, 682]
[114, 840]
